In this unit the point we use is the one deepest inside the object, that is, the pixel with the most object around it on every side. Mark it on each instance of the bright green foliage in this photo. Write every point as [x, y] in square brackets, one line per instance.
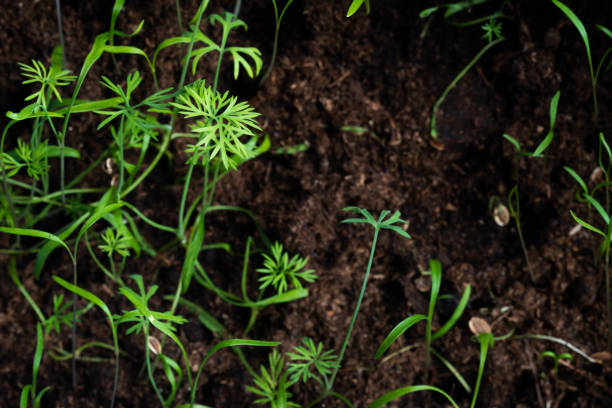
[222, 122]
[279, 270]
[114, 243]
[61, 315]
[399, 329]
[311, 362]
[585, 38]
[49, 80]
[556, 357]
[33, 159]
[356, 5]
[493, 30]
[30, 390]
[134, 122]
[143, 315]
[604, 212]
[381, 223]
[271, 385]
[554, 103]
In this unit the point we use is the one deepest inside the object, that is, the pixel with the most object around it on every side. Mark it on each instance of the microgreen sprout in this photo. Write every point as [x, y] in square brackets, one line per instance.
[311, 362]
[384, 221]
[556, 358]
[279, 270]
[436, 280]
[29, 393]
[222, 122]
[492, 34]
[605, 233]
[585, 38]
[271, 385]
[277, 18]
[513, 196]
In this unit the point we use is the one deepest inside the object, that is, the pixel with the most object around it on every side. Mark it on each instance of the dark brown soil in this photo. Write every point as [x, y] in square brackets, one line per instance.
[375, 72]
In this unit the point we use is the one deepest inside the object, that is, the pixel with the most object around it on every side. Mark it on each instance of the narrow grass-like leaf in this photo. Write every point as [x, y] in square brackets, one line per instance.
[86, 295]
[224, 344]
[193, 249]
[599, 209]
[37, 234]
[452, 369]
[455, 316]
[400, 392]
[436, 281]
[579, 26]
[578, 179]
[12, 270]
[285, 297]
[514, 142]
[587, 225]
[204, 317]
[355, 5]
[46, 250]
[398, 331]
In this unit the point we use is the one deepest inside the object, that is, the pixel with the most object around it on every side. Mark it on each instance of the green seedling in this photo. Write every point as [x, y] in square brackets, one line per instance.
[271, 385]
[556, 358]
[306, 362]
[356, 5]
[466, 6]
[384, 221]
[281, 273]
[481, 329]
[585, 38]
[279, 270]
[543, 145]
[513, 196]
[142, 318]
[436, 280]
[277, 18]
[489, 23]
[493, 36]
[29, 394]
[310, 362]
[605, 233]
[98, 302]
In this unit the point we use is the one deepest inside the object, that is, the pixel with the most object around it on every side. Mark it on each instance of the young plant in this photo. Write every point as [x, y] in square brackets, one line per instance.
[279, 270]
[307, 362]
[29, 394]
[605, 233]
[556, 358]
[356, 5]
[277, 18]
[513, 196]
[436, 280]
[482, 330]
[585, 38]
[383, 222]
[272, 384]
[492, 34]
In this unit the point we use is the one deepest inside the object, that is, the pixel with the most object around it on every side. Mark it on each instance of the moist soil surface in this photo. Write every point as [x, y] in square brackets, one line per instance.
[383, 73]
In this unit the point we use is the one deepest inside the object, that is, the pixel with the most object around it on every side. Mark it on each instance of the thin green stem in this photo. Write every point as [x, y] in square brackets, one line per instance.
[178, 16]
[524, 247]
[61, 31]
[330, 383]
[433, 131]
[148, 364]
[485, 339]
[608, 305]
[181, 222]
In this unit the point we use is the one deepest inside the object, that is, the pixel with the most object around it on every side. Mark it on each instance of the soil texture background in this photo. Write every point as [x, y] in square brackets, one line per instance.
[383, 73]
